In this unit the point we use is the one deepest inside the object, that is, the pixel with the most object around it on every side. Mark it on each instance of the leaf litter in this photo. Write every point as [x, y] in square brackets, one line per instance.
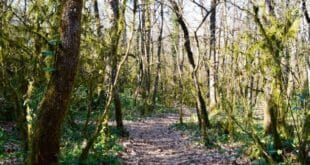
[153, 141]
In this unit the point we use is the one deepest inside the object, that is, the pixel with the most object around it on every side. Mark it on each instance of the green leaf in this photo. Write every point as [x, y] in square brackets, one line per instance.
[54, 42]
[261, 161]
[49, 69]
[47, 53]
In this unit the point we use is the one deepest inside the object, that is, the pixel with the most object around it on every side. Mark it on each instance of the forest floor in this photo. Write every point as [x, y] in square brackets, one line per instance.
[154, 140]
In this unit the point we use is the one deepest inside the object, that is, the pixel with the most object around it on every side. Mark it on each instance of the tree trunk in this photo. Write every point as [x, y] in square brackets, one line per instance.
[180, 61]
[102, 121]
[212, 66]
[274, 98]
[53, 107]
[146, 56]
[114, 55]
[201, 106]
[97, 16]
[307, 58]
[90, 82]
[158, 55]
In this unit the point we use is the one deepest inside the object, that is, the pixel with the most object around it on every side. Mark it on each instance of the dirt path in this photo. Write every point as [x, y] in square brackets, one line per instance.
[153, 141]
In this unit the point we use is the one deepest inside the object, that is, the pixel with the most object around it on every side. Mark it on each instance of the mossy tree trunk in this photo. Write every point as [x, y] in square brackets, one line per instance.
[102, 121]
[213, 63]
[274, 117]
[145, 56]
[201, 105]
[53, 108]
[115, 34]
[159, 50]
[177, 50]
[307, 58]
[90, 83]
[304, 152]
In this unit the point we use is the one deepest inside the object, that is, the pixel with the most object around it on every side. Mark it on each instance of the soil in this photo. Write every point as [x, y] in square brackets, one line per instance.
[154, 141]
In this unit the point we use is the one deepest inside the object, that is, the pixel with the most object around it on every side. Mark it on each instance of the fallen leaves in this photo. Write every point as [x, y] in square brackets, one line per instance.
[152, 141]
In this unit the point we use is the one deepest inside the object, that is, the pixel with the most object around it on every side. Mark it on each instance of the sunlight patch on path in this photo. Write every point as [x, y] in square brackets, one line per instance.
[153, 141]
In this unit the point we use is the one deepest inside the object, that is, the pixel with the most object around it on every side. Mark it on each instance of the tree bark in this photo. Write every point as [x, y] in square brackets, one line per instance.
[307, 58]
[53, 107]
[201, 105]
[212, 66]
[97, 16]
[118, 26]
[103, 119]
[274, 99]
[90, 83]
[146, 56]
[159, 48]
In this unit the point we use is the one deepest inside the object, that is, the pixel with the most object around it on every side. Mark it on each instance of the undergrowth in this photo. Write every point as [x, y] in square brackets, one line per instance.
[219, 135]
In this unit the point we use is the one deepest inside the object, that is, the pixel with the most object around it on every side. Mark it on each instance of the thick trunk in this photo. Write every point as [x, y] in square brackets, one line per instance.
[273, 119]
[53, 108]
[274, 116]
[271, 110]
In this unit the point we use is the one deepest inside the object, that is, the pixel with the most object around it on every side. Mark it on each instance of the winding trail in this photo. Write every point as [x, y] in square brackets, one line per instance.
[154, 141]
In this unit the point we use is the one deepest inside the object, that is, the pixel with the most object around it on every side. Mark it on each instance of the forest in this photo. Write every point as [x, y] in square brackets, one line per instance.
[175, 82]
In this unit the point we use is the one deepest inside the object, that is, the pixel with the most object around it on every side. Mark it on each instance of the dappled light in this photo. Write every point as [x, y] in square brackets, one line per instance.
[156, 141]
[144, 82]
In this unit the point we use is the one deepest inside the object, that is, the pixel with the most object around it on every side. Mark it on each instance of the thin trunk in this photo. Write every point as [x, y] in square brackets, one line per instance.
[212, 66]
[115, 38]
[97, 16]
[90, 86]
[307, 58]
[146, 56]
[158, 55]
[180, 61]
[304, 155]
[250, 113]
[201, 106]
[102, 121]
[89, 107]
[20, 115]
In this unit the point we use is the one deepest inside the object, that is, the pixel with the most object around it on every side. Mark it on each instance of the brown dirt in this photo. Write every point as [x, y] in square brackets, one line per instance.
[154, 141]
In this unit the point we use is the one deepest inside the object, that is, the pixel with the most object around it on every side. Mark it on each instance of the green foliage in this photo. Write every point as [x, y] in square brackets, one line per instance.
[27, 52]
[261, 161]
[10, 146]
[48, 53]
[130, 105]
[104, 152]
[49, 69]
[54, 42]
[188, 127]
[2, 140]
